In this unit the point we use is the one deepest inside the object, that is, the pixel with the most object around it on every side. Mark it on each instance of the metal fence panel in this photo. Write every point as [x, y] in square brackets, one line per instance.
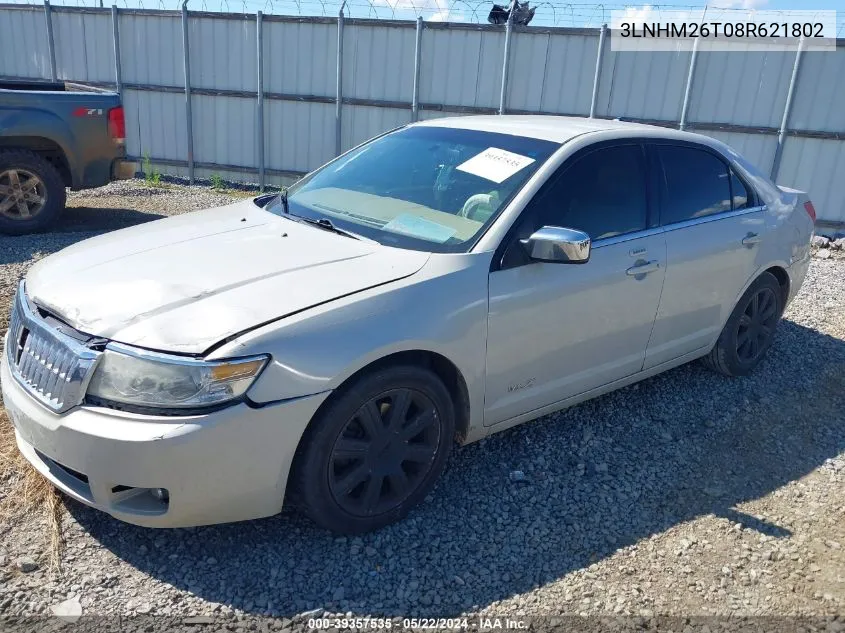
[378, 62]
[427, 115]
[299, 136]
[566, 82]
[743, 88]
[151, 49]
[223, 54]
[84, 46]
[363, 122]
[300, 58]
[224, 130]
[817, 166]
[819, 101]
[155, 124]
[645, 85]
[23, 43]
[461, 67]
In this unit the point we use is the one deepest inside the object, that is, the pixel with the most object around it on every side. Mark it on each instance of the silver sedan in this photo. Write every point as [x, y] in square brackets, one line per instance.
[447, 280]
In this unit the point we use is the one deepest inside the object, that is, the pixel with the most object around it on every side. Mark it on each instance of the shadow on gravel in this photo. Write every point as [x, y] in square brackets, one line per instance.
[74, 225]
[601, 476]
[101, 220]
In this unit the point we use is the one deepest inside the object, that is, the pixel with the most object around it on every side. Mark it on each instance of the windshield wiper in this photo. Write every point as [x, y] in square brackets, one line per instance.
[325, 224]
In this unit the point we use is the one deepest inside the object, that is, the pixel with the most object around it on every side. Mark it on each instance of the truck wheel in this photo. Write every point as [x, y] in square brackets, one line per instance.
[32, 192]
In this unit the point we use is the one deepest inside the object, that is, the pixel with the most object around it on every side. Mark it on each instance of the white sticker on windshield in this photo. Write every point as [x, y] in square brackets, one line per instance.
[495, 164]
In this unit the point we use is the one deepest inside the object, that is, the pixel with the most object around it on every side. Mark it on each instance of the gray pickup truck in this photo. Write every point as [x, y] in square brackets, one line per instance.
[53, 136]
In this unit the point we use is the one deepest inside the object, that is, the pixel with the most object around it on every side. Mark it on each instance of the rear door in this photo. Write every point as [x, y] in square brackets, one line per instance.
[713, 225]
[558, 330]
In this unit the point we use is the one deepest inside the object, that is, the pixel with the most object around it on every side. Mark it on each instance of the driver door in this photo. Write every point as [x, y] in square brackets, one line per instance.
[558, 330]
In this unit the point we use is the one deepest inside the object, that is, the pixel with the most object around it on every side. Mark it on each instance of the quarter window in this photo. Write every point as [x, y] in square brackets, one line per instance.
[695, 184]
[602, 194]
[741, 199]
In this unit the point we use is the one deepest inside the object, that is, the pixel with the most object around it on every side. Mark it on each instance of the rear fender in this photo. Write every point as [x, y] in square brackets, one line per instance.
[22, 126]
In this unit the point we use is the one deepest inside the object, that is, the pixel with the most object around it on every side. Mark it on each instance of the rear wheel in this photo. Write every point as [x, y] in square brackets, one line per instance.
[750, 330]
[32, 193]
[375, 451]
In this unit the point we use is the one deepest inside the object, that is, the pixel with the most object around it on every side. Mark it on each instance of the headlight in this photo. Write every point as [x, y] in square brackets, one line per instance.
[137, 377]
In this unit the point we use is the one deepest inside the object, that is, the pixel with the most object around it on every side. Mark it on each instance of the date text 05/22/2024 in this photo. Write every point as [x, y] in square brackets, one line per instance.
[375, 624]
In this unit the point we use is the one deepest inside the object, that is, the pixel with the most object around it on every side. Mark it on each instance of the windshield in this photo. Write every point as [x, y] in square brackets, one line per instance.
[423, 188]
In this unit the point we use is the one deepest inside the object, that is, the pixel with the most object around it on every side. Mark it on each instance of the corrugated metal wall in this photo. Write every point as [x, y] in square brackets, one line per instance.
[23, 50]
[738, 97]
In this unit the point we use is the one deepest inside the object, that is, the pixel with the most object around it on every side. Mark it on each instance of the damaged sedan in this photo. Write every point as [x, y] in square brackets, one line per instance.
[327, 347]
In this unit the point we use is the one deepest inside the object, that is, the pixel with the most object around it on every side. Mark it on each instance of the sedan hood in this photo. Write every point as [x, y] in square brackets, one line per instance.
[184, 283]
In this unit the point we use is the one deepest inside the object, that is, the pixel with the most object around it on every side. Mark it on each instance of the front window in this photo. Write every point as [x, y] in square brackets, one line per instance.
[423, 188]
[602, 194]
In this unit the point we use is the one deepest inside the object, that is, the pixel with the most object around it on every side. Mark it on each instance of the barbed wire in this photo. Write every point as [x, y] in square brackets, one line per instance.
[547, 12]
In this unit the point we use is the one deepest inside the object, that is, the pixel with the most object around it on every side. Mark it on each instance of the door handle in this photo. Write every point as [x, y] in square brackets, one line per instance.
[751, 239]
[643, 268]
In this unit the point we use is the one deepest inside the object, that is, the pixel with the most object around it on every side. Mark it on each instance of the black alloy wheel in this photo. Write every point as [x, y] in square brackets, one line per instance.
[750, 329]
[756, 326]
[374, 450]
[383, 452]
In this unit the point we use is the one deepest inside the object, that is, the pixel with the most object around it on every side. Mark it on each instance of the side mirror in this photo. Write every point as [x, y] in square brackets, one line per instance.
[558, 245]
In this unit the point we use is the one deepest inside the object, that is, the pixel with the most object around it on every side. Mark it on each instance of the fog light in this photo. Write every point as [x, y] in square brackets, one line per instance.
[161, 494]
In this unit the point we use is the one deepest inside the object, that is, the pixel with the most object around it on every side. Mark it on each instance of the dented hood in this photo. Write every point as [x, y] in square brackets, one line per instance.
[184, 283]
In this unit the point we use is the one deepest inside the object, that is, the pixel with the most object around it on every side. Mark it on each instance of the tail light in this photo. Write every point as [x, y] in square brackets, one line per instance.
[117, 124]
[811, 210]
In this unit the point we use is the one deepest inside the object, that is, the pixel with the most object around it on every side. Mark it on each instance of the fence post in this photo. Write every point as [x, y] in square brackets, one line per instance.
[508, 32]
[682, 125]
[339, 98]
[188, 111]
[597, 76]
[793, 80]
[115, 29]
[260, 114]
[51, 44]
[415, 99]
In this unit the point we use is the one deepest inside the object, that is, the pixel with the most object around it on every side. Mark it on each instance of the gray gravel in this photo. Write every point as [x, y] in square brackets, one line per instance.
[688, 494]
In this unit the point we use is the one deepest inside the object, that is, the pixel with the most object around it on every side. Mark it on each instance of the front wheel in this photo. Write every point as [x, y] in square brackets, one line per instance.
[375, 450]
[750, 330]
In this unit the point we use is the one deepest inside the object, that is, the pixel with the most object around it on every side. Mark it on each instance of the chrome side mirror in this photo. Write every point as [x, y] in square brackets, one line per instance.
[558, 245]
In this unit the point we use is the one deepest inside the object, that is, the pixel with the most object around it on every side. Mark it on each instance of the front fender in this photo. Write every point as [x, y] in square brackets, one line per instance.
[441, 309]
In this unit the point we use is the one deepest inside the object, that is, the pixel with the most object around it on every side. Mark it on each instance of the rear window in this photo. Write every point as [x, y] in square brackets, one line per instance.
[694, 184]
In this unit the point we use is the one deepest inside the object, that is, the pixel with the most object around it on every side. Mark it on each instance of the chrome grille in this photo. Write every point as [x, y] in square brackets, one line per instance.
[53, 367]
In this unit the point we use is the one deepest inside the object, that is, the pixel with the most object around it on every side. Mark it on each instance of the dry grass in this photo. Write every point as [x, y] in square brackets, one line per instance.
[27, 492]
[24, 490]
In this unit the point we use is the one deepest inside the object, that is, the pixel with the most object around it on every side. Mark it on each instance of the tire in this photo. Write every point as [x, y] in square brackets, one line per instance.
[34, 208]
[346, 473]
[734, 354]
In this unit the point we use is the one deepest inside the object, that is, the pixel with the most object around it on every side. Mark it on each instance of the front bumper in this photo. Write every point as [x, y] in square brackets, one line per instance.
[230, 465]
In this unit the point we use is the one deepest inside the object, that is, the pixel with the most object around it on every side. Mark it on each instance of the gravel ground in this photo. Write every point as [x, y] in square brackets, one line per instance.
[687, 494]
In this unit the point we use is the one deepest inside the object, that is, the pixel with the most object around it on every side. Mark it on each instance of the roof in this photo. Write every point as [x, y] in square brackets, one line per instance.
[550, 128]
